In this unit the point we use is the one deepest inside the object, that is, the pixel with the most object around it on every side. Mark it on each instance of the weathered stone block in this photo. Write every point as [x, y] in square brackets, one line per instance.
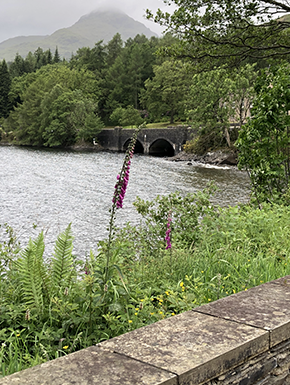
[266, 306]
[195, 346]
[92, 366]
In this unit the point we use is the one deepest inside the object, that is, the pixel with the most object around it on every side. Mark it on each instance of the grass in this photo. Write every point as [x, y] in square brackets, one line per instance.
[215, 252]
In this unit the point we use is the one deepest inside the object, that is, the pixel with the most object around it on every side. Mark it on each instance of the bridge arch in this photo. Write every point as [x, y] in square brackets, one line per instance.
[161, 147]
[139, 148]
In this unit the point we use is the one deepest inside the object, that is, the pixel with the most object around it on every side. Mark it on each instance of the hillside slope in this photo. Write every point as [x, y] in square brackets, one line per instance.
[90, 29]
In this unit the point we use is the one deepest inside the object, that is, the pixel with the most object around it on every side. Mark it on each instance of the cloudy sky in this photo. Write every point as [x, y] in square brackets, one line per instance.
[43, 17]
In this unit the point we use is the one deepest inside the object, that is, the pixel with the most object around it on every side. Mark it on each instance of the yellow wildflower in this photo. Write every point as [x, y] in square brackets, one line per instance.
[130, 321]
[65, 347]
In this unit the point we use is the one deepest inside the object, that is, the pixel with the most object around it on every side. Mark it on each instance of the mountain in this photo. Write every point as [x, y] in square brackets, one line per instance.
[90, 29]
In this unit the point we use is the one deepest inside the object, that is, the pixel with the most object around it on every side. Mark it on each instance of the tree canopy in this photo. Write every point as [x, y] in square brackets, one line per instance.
[57, 107]
[264, 141]
[231, 31]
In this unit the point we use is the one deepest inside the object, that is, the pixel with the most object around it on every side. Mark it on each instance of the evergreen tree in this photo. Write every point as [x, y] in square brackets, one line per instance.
[29, 63]
[39, 57]
[17, 67]
[48, 56]
[113, 49]
[56, 58]
[5, 84]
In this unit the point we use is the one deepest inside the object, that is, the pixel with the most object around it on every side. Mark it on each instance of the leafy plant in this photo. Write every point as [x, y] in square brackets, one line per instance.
[264, 142]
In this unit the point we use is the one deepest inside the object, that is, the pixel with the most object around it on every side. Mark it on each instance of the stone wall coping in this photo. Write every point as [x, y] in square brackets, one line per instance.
[190, 348]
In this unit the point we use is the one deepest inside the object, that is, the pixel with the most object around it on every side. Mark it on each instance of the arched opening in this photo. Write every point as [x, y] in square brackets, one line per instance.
[139, 149]
[161, 147]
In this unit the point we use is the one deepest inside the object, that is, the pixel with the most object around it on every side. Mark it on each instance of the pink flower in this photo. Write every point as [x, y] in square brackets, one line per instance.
[168, 231]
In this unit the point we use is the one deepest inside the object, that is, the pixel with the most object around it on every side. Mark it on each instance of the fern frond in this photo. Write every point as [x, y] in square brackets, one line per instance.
[62, 261]
[29, 265]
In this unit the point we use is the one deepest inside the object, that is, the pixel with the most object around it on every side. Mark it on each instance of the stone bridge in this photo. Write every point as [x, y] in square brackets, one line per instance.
[150, 141]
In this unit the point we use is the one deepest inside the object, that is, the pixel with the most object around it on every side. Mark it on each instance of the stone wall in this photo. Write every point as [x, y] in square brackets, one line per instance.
[117, 138]
[243, 339]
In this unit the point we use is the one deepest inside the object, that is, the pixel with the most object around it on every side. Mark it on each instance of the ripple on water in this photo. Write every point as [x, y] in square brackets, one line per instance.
[53, 188]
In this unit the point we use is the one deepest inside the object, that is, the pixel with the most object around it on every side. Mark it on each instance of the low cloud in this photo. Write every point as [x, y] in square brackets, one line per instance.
[23, 18]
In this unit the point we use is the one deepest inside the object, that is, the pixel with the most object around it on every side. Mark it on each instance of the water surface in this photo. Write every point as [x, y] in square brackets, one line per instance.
[50, 189]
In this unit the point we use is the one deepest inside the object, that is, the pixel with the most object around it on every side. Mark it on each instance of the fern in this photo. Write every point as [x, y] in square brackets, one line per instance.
[62, 261]
[31, 271]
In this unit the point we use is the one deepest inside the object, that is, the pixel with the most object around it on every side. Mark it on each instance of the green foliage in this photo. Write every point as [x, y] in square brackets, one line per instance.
[227, 31]
[5, 84]
[62, 261]
[58, 107]
[126, 117]
[184, 211]
[216, 99]
[54, 306]
[30, 267]
[264, 141]
[68, 117]
[165, 93]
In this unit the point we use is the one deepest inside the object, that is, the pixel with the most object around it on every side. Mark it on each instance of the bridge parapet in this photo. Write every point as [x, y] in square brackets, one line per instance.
[164, 141]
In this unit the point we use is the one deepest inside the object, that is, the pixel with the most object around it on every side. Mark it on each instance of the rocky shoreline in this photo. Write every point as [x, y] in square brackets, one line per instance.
[217, 158]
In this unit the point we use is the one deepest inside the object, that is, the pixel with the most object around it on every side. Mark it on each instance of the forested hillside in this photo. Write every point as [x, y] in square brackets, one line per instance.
[48, 101]
[88, 30]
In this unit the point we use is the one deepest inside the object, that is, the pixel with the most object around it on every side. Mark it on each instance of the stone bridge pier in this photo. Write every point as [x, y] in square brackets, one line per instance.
[150, 141]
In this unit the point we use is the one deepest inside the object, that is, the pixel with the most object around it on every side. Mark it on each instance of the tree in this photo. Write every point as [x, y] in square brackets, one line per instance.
[216, 99]
[264, 142]
[209, 108]
[164, 94]
[126, 77]
[68, 117]
[5, 84]
[30, 63]
[231, 31]
[39, 94]
[113, 49]
[126, 116]
[48, 56]
[17, 67]
[56, 57]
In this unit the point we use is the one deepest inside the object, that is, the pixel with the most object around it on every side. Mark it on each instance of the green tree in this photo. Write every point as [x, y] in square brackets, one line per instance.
[165, 93]
[17, 67]
[48, 56]
[38, 93]
[5, 84]
[56, 57]
[113, 49]
[68, 118]
[30, 63]
[126, 77]
[243, 92]
[92, 59]
[264, 141]
[40, 58]
[216, 99]
[126, 116]
[218, 31]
